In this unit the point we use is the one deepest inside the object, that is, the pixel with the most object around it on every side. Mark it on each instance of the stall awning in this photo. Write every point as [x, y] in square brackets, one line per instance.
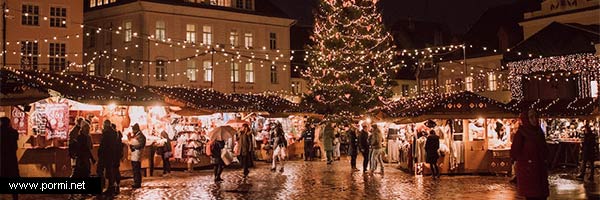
[85, 89]
[208, 99]
[446, 106]
[13, 91]
[558, 108]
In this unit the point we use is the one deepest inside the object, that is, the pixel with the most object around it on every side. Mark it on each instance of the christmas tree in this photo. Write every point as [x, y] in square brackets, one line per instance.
[350, 59]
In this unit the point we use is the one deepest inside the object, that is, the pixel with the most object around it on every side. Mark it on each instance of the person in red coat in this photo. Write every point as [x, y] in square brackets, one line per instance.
[530, 152]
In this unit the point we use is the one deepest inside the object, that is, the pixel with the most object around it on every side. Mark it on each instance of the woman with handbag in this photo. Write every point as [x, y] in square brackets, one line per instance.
[245, 148]
[216, 148]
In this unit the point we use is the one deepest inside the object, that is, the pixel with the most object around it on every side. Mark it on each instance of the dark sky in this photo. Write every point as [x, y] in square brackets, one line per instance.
[459, 15]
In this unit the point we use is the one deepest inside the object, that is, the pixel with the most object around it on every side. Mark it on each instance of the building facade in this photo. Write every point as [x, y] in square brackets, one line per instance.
[43, 35]
[583, 12]
[231, 46]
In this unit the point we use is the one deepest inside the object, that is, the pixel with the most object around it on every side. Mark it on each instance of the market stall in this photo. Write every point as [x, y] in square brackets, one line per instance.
[474, 132]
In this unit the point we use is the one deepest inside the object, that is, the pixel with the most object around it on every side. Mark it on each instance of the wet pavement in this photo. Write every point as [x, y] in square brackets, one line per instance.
[317, 180]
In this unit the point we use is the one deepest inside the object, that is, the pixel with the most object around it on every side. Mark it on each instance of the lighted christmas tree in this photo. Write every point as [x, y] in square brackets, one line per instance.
[350, 59]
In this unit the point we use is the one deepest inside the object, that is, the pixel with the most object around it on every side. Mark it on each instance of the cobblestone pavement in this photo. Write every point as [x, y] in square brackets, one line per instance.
[316, 180]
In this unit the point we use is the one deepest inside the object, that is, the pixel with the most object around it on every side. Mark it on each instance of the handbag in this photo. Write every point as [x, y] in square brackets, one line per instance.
[226, 156]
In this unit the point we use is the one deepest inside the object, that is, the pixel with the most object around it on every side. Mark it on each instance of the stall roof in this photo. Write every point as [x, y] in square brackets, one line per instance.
[84, 88]
[578, 107]
[455, 105]
[208, 99]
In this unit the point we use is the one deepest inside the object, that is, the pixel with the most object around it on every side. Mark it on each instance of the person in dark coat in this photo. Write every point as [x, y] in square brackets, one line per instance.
[73, 141]
[83, 152]
[432, 145]
[353, 148]
[137, 142]
[590, 151]
[309, 141]
[530, 152]
[363, 144]
[215, 149]
[245, 143]
[120, 156]
[8, 155]
[109, 153]
[165, 152]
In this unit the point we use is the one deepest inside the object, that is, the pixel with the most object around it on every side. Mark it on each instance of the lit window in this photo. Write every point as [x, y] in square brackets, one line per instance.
[161, 30]
[208, 71]
[190, 33]
[91, 68]
[448, 85]
[594, 89]
[30, 15]
[29, 55]
[469, 83]
[273, 41]
[296, 87]
[492, 82]
[128, 31]
[405, 90]
[92, 3]
[207, 35]
[235, 72]
[249, 73]
[191, 70]
[58, 59]
[161, 71]
[58, 17]
[274, 75]
[248, 39]
[234, 38]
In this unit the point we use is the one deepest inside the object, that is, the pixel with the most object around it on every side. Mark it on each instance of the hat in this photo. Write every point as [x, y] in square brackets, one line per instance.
[136, 126]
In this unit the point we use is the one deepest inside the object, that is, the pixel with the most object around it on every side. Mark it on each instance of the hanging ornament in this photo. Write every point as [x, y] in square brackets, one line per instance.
[347, 96]
[372, 82]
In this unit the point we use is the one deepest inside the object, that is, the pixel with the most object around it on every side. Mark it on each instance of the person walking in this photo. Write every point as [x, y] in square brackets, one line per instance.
[8, 151]
[245, 148]
[353, 148]
[83, 153]
[328, 141]
[308, 135]
[590, 152]
[137, 142]
[73, 141]
[280, 145]
[165, 151]
[530, 152]
[375, 140]
[336, 144]
[108, 152]
[216, 148]
[363, 144]
[120, 157]
[432, 144]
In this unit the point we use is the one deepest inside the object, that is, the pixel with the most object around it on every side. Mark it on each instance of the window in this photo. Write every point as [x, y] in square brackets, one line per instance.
[207, 35]
[594, 89]
[448, 85]
[273, 41]
[234, 38]
[492, 82]
[239, 4]
[29, 55]
[58, 59]
[58, 17]
[161, 31]
[214, 2]
[274, 75]
[208, 71]
[248, 40]
[405, 90]
[91, 68]
[296, 87]
[127, 67]
[469, 83]
[30, 15]
[128, 31]
[92, 38]
[161, 71]
[249, 73]
[191, 70]
[235, 72]
[190, 33]
[92, 3]
[248, 4]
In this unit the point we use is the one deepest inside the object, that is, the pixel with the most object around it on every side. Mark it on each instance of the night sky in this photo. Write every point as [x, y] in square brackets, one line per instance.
[458, 15]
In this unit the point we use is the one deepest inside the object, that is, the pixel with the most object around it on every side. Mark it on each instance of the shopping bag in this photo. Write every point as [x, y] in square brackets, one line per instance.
[226, 156]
